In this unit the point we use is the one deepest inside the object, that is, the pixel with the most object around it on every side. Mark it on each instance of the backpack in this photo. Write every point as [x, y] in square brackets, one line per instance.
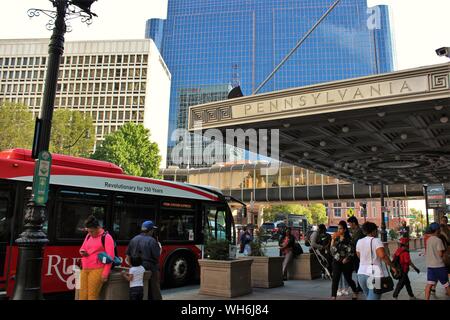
[308, 238]
[297, 249]
[396, 264]
[116, 261]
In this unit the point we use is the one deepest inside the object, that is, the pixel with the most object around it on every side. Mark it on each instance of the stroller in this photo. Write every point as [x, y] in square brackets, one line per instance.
[324, 263]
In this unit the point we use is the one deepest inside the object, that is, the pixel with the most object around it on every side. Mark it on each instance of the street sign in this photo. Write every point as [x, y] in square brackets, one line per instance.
[41, 178]
[436, 196]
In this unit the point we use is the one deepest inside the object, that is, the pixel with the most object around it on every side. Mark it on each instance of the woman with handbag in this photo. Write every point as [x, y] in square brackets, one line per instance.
[371, 277]
[95, 270]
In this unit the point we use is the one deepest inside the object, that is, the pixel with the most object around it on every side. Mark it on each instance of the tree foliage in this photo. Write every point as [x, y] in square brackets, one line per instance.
[17, 130]
[131, 149]
[315, 213]
[318, 213]
[72, 133]
[16, 126]
[418, 222]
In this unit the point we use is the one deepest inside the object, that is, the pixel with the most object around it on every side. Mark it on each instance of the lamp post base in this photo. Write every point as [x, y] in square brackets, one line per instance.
[31, 246]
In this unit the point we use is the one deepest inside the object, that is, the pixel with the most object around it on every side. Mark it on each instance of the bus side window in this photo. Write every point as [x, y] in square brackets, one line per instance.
[176, 225]
[128, 220]
[73, 208]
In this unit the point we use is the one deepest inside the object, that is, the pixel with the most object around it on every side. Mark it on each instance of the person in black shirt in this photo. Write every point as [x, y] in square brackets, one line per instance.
[343, 252]
[147, 248]
[356, 233]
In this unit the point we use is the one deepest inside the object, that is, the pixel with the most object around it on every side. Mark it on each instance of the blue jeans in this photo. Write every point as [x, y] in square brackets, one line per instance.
[370, 295]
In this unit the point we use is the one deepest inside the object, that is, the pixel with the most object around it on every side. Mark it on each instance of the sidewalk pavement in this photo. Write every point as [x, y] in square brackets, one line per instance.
[318, 289]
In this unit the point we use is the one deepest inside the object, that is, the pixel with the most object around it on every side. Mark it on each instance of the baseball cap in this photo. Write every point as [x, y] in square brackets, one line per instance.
[148, 225]
[434, 226]
[404, 240]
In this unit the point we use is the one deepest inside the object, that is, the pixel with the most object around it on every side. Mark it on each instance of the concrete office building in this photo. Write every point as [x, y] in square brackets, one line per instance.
[114, 81]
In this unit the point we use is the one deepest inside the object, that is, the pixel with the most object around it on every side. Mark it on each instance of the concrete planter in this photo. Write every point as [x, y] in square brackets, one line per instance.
[117, 287]
[304, 267]
[229, 278]
[267, 272]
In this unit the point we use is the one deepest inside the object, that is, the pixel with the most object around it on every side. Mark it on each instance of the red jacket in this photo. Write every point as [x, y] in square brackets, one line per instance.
[405, 258]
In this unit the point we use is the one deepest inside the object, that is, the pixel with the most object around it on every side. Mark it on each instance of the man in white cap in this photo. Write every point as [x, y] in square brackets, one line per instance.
[147, 248]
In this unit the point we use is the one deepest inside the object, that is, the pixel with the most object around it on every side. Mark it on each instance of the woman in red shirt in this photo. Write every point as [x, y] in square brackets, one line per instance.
[405, 262]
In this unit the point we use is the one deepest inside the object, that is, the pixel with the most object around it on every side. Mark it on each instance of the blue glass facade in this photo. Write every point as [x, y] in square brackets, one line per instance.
[154, 29]
[216, 42]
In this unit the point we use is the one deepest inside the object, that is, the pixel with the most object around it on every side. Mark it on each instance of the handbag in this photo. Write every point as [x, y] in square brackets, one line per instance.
[386, 283]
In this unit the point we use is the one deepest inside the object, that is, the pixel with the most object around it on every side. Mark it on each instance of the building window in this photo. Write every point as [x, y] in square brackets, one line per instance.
[337, 212]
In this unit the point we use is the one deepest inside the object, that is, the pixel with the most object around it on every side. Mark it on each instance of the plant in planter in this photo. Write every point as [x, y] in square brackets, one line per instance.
[393, 234]
[222, 276]
[267, 272]
[258, 247]
[217, 249]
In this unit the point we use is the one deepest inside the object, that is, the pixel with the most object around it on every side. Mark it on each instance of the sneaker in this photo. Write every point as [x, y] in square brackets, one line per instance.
[395, 298]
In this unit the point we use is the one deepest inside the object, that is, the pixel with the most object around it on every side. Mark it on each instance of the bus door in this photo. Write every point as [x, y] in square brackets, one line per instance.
[6, 211]
[217, 224]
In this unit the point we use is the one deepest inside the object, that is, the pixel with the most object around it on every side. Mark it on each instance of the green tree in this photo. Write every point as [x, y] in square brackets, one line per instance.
[297, 209]
[418, 221]
[72, 133]
[16, 126]
[318, 214]
[131, 149]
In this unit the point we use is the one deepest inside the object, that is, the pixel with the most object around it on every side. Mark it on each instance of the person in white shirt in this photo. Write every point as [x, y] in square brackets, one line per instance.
[135, 276]
[436, 269]
[371, 253]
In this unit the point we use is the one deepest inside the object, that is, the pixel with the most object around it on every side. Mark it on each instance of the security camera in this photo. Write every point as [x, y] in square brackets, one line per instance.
[443, 52]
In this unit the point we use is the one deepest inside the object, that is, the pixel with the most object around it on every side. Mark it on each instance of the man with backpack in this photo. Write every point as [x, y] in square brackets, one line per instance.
[401, 262]
[147, 248]
[320, 240]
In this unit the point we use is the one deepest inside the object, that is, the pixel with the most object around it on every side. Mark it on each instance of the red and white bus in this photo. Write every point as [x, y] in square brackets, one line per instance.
[80, 187]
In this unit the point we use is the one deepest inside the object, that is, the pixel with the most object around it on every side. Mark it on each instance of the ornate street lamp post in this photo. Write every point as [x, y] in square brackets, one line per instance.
[33, 238]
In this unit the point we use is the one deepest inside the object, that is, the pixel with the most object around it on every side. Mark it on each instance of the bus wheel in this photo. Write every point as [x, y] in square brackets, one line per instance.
[179, 270]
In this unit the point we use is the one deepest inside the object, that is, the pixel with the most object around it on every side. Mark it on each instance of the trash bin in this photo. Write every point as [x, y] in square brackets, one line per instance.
[116, 288]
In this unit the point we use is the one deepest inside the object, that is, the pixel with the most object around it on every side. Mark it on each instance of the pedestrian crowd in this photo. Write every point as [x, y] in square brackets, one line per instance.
[352, 249]
[357, 250]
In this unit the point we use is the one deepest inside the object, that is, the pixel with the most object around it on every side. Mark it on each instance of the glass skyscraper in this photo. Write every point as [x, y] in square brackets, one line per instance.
[221, 43]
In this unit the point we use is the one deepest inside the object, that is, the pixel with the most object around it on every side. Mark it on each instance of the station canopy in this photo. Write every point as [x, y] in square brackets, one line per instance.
[391, 128]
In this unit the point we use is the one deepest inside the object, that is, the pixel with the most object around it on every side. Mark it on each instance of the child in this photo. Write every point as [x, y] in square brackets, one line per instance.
[136, 278]
[405, 262]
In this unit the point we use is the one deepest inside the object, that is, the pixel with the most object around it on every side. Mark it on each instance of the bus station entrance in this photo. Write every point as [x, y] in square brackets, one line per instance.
[389, 129]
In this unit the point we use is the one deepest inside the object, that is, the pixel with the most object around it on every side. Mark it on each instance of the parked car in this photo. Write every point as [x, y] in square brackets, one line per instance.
[332, 229]
[279, 229]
